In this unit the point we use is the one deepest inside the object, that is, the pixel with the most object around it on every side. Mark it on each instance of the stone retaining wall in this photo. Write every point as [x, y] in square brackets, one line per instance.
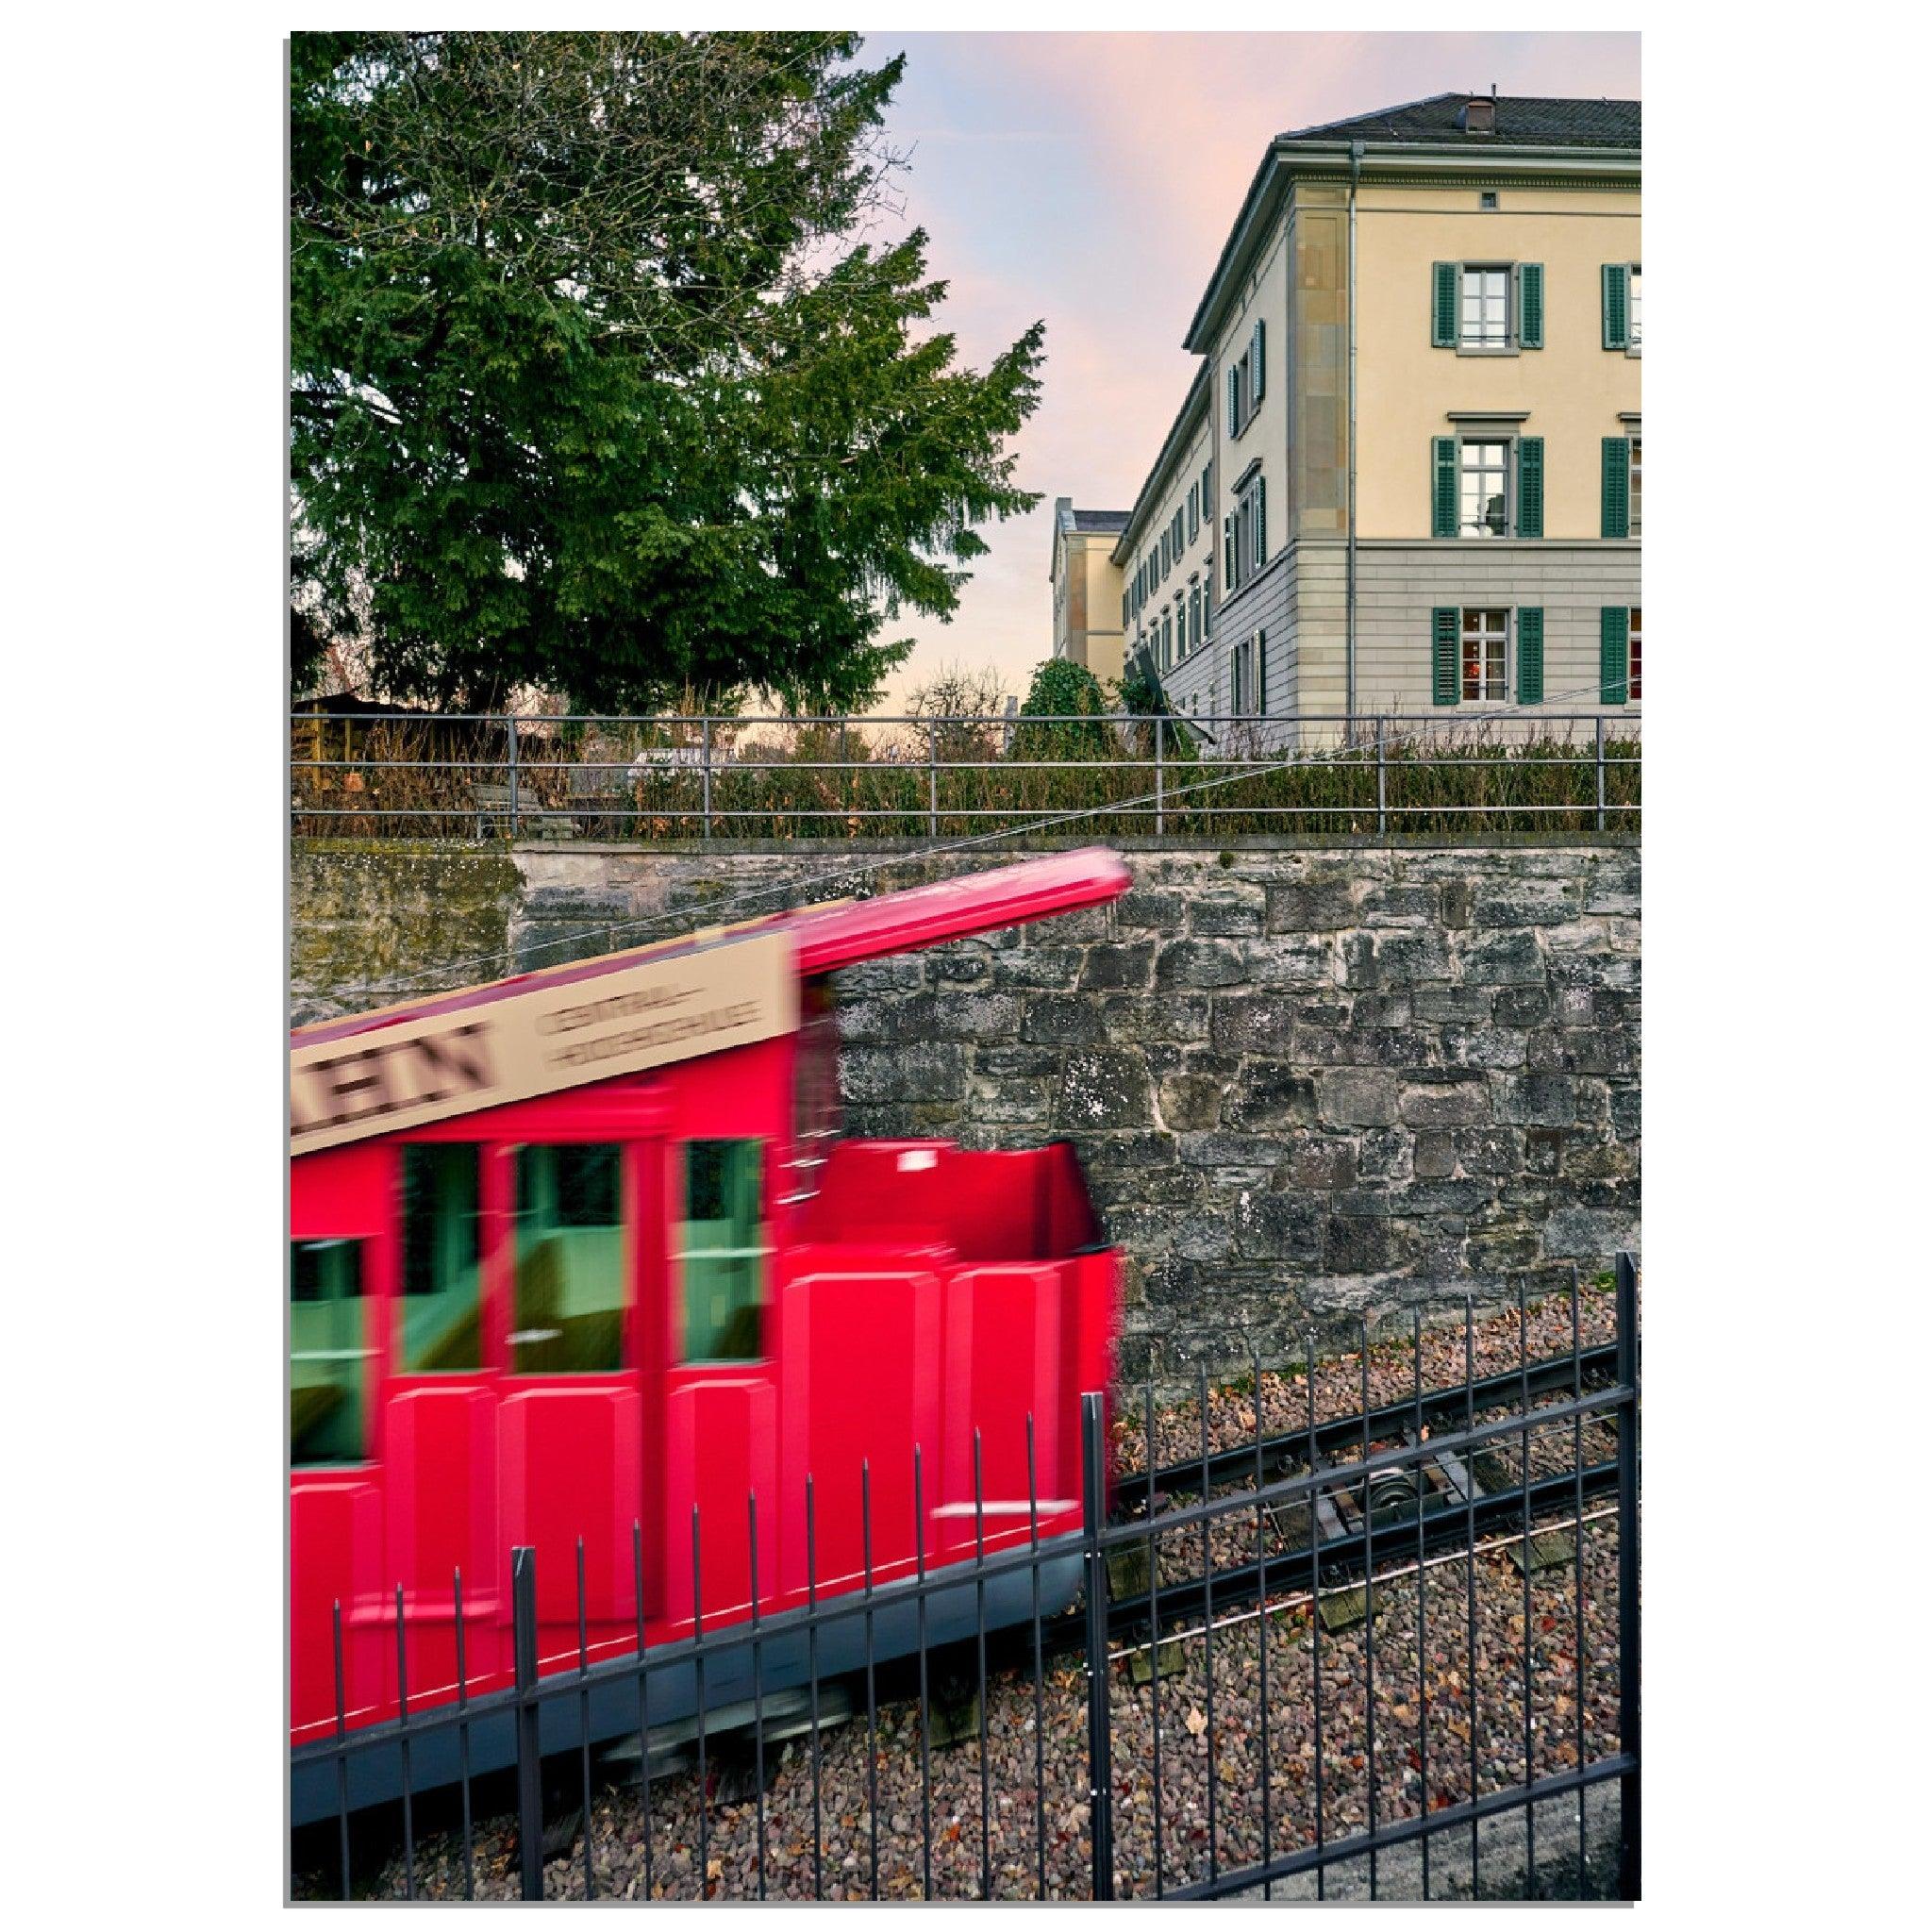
[1305, 1081]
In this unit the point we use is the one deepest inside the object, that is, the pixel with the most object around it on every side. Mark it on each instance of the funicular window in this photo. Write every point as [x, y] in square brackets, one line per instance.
[328, 1353]
[441, 1328]
[815, 1098]
[723, 1248]
[570, 1261]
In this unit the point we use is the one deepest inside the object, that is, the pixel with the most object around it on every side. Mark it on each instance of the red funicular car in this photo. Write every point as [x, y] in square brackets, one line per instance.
[578, 1253]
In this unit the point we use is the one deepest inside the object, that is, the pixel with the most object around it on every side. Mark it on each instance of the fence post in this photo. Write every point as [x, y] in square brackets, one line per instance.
[706, 761]
[511, 722]
[1099, 1717]
[522, 1572]
[1382, 798]
[1159, 776]
[1600, 771]
[1629, 1649]
[932, 779]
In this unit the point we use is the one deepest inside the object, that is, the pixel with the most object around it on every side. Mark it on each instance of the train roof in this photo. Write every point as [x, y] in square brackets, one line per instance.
[727, 986]
[827, 936]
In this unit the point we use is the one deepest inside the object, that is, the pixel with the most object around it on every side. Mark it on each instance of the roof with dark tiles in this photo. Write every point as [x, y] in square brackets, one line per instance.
[1524, 120]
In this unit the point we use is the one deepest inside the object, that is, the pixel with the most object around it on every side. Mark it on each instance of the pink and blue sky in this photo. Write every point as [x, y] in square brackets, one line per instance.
[1091, 179]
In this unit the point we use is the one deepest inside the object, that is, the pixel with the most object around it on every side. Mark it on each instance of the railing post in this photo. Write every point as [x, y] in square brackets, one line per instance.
[523, 1569]
[1160, 778]
[510, 723]
[1600, 771]
[1099, 1716]
[1382, 796]
[1629, 1647]
[932, 779]
[705, 759]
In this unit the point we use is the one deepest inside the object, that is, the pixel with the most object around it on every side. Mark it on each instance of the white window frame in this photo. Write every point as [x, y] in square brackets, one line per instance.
[1633, 657]
[1633, 495]
[1633, 338]
[1507, 345]
[1507, 445]
[1483, 635]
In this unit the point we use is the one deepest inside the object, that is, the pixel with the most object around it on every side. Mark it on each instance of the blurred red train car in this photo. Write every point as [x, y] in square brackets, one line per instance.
[580, 1254]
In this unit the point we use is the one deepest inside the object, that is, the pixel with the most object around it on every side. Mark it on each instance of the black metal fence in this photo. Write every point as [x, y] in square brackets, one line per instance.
[1295, 1663]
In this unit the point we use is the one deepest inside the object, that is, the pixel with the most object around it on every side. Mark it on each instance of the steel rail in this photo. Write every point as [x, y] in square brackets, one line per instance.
[1228, 1465]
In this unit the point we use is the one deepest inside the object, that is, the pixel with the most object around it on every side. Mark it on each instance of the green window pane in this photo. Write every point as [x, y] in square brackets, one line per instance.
[328, 1353]
[441, 1329]
[570, 1261]
[721, 1247]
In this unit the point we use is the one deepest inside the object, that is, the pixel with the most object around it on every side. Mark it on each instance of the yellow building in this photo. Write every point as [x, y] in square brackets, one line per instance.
[1087, 587]
[1407, 477]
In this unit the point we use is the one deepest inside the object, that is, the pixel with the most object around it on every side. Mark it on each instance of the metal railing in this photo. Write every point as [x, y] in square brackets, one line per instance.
[1387, 775]
[1524, 1696]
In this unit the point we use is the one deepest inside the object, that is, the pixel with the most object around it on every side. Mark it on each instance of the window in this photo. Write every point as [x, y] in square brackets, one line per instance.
[570, 1261]
[1194, 511]
[1248, 675]
[1484, 312]
[1247, 381]
[1485, 657]
[1248, 531]
[1487, 198]
[1636, 486]
[1636, 653]
[328, 1354]
[1206, 493]
[1484, 485]
[1195, 614]
[1636, 307]
[721, 1247]
[1208, 603]
[1167, 637]
[437, 1313]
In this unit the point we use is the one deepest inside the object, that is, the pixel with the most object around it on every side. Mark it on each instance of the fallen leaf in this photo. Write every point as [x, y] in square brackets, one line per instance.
[1196, 1722]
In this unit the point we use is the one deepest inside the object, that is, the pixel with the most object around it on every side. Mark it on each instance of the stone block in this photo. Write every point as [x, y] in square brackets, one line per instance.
[1359, 1096]
[1270, 1093]
[1199, 963]
[1189, 1101]
[1537, 1100]
[1103, 1089]
[1253, 1023]
[1062, 1020]
[1450, 1102]
[1050, 968]
[1121, 963]
[1302, 907]
[1227, 912]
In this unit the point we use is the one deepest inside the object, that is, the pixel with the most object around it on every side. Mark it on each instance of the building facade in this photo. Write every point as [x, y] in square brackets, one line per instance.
[1086, 587]
[1408, 475]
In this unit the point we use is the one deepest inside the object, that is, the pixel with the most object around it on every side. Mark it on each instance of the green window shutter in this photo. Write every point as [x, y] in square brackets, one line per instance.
[1529, 305]
[1529, 657]
[1258, 361]
[1261, 520]
[1613, 665]
[1446, 626]
[1529, 486]
[1442, 521]
[1442, 310]
[1227, 535]
[1616, 486]
[1234, 399]
[1616, 304]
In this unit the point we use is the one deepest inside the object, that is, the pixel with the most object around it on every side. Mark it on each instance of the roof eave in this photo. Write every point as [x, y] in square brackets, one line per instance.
[1270, 180]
